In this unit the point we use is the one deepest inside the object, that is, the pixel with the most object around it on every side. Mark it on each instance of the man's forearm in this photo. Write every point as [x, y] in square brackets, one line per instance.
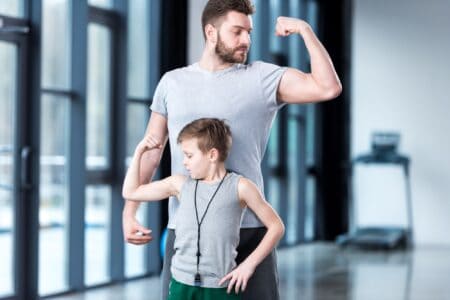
[130, 208]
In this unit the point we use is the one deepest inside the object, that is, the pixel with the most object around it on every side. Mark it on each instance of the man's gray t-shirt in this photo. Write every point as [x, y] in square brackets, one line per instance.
[244, 95]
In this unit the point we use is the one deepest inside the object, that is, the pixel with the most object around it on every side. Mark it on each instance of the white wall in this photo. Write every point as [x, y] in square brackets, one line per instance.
[195, 35]
[401, 81]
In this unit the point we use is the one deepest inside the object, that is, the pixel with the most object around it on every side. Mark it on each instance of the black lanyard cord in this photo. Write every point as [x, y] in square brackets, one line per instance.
[199, 224]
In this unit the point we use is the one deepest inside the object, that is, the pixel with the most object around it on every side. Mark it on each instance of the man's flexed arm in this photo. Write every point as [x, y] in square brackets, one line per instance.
[157, 127]
[319, 85]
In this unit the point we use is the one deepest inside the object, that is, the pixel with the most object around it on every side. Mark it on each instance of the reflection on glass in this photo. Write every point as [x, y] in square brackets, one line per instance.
[275, 12]
[310, 207]
[99, 97]
[53, 194]
[8, 68]
[294, 198]
[6, 242]
[137, 118]
[8, 64]
[310, 134]
[13, 8]
[135, 254]
[55, 55]
[102, 3]
[139, 49]
[272, 161]
[97, 230]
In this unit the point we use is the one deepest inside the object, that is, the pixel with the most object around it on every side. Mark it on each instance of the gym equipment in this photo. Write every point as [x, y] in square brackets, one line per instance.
[162, 243]
[384, 151]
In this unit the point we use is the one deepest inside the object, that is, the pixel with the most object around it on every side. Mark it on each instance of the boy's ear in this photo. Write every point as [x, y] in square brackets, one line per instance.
[214, 154]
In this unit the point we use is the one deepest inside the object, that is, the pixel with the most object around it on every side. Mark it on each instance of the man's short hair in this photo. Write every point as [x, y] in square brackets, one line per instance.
[210, 133]
[215, 9]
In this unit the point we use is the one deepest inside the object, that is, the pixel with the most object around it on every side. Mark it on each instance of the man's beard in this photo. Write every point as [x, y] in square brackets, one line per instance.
[227, 55]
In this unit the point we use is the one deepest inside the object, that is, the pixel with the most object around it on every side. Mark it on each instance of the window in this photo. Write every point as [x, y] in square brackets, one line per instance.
[12, 8]
[108, 4]
[98, 154]
[8, 99]
[54, 152]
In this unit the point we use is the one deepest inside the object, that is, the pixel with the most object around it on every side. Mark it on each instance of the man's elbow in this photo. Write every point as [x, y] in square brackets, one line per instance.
[333, 91]
[282, 229]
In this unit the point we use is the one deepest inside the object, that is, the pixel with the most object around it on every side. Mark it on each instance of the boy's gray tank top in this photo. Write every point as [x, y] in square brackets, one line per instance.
[244, 95]
[219, 232]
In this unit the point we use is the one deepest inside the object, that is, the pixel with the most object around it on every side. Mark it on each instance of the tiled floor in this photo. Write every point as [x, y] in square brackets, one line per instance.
[323, 271]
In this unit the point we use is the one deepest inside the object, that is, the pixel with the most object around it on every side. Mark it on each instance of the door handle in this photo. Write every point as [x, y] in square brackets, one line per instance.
[25, 174]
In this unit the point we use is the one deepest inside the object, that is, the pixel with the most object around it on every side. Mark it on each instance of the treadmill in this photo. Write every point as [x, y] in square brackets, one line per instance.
[384, 151]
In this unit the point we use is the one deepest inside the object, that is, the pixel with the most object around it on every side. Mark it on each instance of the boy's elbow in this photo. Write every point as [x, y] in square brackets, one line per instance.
[278, 230]
[127, 195]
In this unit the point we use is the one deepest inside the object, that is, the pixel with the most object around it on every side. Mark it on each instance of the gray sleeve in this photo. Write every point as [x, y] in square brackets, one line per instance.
[270, 75]
[159, 103]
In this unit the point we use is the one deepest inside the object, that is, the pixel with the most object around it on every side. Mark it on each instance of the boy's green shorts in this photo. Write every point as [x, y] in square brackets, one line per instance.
[180, 291]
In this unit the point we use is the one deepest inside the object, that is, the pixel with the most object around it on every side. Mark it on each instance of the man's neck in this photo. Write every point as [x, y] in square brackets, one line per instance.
[210, 62]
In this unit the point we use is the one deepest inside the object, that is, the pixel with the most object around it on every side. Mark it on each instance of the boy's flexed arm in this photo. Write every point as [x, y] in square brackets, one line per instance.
[157, 127]
[251, 196]
[156, 190]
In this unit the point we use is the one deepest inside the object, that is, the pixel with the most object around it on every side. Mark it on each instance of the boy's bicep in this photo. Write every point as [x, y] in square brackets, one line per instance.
[155, 190]
[250, 194]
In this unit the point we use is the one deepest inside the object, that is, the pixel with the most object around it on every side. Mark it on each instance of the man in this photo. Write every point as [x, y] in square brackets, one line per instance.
[248, 97]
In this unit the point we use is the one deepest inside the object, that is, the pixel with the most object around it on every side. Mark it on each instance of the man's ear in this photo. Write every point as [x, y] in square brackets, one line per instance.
[211, 33]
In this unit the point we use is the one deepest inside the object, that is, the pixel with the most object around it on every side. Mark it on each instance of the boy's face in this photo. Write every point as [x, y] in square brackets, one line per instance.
[195, 161]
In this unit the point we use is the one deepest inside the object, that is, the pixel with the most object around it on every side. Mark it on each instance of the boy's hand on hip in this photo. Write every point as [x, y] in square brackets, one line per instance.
[238, 277]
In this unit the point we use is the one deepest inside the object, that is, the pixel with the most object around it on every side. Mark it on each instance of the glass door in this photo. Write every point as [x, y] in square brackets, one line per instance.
[8, 163]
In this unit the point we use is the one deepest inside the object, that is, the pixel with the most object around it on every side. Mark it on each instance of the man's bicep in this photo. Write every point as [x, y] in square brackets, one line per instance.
[297, 87]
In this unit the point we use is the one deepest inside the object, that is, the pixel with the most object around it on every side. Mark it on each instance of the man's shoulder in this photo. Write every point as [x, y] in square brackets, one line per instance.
[260, 64]
[176, 74]
[260, 67]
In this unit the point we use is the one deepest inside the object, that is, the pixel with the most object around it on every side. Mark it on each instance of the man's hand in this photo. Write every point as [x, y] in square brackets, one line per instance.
[238, 277]
[135, 233]
[286, 26]
[148, 142]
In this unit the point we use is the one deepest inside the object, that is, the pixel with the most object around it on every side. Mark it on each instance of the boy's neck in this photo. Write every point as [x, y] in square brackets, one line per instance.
[215, 174]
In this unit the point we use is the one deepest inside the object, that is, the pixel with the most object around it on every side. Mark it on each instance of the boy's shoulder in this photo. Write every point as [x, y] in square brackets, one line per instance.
[177, 181]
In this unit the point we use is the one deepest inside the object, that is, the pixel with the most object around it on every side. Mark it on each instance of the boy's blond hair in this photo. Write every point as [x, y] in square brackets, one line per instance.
[210, 133]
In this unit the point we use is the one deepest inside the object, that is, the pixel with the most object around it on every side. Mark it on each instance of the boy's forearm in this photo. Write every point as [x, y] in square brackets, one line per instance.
[131, 182]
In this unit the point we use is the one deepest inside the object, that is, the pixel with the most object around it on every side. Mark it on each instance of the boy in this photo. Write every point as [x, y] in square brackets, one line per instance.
[208, 220]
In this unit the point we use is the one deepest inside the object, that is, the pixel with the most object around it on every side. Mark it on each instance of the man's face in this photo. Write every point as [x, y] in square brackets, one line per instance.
[233, 38]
